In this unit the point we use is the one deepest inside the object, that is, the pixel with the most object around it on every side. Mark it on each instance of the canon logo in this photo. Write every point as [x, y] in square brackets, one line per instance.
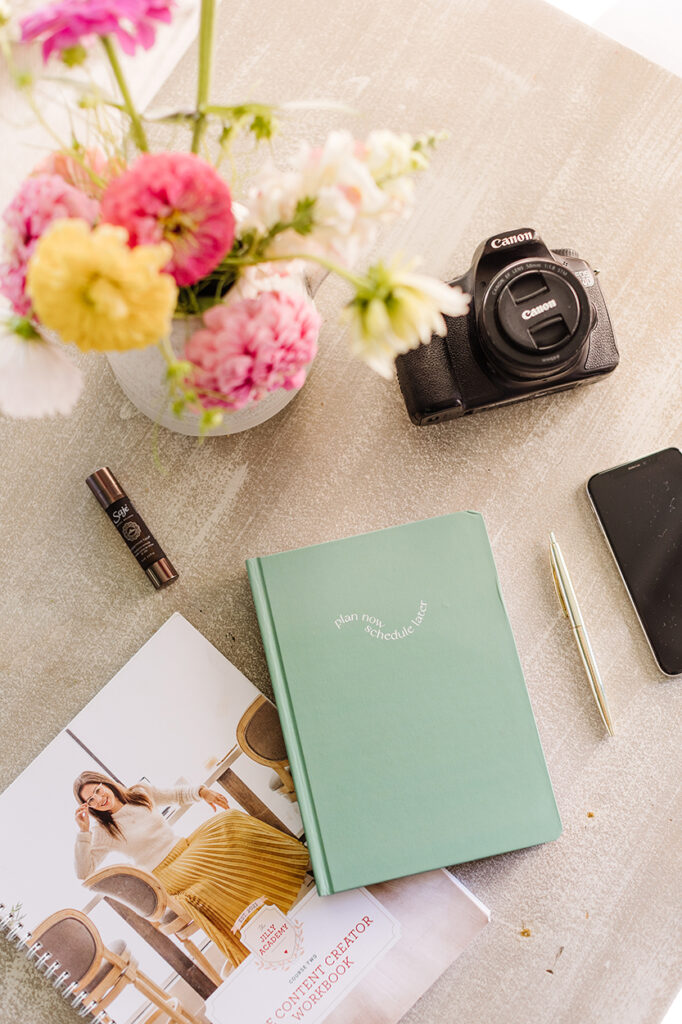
[528, 314]
[525, 236]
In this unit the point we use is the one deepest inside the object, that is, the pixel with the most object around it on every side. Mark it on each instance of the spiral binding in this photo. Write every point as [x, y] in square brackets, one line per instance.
[10, 927]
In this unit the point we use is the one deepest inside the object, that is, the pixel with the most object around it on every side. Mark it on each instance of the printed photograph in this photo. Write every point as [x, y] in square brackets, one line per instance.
[142, 832]
[154, 865]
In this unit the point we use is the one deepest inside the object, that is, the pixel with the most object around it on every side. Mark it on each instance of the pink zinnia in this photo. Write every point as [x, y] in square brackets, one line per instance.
[40, 201]
[253, 346]
[74, 22]
[177, 198]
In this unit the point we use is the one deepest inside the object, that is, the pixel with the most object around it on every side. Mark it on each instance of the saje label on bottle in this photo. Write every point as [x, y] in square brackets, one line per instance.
[135, 532]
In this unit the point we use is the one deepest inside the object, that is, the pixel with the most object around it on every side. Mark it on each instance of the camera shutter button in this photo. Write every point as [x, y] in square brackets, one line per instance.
[538, 311]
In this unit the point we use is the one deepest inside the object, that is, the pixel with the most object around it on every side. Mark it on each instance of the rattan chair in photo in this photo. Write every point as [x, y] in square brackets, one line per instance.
[143, 892]
[259, 735]
[70, 948]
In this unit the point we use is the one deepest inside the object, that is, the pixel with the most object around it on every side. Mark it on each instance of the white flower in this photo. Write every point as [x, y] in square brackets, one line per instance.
[395, 309]
[36, 377]
[340, 165]
[336, 195]
[271, 200]
[268, 277]
[343, 198]
[390, 155]
[391, 158]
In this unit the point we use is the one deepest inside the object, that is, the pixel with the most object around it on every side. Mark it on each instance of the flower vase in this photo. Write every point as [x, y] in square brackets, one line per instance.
[141, 376]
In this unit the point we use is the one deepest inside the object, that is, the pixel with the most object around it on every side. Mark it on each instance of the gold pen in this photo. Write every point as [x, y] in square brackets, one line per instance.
[569, 603]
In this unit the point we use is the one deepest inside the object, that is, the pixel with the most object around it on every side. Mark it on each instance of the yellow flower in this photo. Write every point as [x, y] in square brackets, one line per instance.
[89, 287]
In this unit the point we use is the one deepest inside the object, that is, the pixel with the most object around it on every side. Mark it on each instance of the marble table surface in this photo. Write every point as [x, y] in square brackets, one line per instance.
[552, 126]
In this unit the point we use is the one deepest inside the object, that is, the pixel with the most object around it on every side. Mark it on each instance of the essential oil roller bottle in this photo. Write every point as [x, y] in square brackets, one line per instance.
[132, 527]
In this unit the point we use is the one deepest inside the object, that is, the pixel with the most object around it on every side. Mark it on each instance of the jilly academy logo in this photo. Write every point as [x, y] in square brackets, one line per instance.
[274, 939]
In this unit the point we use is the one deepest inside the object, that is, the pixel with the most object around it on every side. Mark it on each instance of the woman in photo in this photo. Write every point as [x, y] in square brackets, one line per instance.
[215, 873]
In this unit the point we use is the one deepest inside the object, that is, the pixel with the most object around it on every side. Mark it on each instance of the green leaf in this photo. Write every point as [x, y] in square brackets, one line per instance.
[240, 110]
[23, 328]
[263, 127]
[303, 220]
[171, 117]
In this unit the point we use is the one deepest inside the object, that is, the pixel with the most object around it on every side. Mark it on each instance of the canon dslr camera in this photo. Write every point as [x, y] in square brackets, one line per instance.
[537, 323]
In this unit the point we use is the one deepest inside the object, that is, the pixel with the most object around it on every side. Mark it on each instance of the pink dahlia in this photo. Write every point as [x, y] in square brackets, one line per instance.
[253, 346]
[40, 201]
[71, 23]
[176, 198]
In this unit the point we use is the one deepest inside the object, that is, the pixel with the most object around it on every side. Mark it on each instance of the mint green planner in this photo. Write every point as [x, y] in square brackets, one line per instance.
[410, 734]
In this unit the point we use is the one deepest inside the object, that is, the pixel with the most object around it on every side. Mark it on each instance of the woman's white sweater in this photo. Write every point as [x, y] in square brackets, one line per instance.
[147, 836]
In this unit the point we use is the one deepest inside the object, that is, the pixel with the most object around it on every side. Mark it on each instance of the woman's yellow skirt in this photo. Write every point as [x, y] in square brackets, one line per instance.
[226, 863]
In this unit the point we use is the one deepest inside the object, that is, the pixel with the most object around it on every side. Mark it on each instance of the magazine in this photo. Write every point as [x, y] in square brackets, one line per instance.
[155, 867]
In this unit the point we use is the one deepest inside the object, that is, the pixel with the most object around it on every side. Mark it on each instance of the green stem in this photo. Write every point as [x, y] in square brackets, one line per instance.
[137, 131]
[167, 350]
[205, 61]
[61, 144]
[335, 268]
[6, 51]
[179, 385]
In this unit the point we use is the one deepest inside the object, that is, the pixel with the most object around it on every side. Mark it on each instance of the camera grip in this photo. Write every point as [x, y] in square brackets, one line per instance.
[602, 355]
[426, 381]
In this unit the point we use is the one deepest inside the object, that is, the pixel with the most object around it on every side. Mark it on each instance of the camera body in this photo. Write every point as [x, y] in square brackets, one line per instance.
[537, 323]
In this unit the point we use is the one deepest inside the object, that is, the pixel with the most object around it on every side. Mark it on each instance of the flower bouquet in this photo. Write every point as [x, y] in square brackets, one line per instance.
[109, 244]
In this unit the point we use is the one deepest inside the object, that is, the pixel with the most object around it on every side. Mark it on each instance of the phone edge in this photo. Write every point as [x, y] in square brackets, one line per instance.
[668, 675]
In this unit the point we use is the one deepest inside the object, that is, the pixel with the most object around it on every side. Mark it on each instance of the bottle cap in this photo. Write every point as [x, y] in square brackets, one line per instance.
[162, 573]
[105, 487]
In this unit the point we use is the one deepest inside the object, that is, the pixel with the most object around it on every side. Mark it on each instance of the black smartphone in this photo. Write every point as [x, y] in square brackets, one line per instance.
[639, 506]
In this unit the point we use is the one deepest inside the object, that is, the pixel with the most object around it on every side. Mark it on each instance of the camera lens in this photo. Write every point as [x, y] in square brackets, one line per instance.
[535, 320]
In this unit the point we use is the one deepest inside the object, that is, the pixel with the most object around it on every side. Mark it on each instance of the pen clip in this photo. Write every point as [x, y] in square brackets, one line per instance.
[557, 584]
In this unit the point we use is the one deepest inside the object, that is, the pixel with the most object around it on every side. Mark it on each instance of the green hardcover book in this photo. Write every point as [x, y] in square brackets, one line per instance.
[410, 734]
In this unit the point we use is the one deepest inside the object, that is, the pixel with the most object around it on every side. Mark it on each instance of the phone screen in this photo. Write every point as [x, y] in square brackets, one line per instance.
[640, 509]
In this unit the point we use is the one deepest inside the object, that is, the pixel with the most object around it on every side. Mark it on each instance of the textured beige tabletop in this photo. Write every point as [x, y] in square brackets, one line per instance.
[551, 126]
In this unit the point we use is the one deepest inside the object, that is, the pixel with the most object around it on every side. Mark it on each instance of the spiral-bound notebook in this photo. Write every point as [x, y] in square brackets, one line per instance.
[153, 865]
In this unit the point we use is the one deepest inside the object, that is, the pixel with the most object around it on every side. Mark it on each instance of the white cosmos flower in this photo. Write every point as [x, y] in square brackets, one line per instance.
[36, 377]
[395, 310]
